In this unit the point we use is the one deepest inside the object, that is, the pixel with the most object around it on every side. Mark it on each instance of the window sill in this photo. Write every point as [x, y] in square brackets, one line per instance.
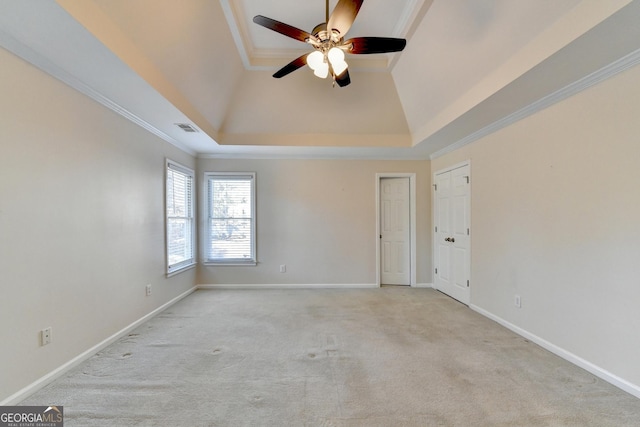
[181, 269]
[230, 264]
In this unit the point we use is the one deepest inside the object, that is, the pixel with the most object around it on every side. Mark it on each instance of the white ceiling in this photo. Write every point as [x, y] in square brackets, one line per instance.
[469, 68]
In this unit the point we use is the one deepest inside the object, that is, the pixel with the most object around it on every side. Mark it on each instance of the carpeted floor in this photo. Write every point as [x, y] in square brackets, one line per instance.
[331, 357]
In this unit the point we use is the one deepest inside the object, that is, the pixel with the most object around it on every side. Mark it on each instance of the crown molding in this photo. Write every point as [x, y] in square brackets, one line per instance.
[239, 37]
[39, 61]
[568, 91]
[406, 155]
[408, 16]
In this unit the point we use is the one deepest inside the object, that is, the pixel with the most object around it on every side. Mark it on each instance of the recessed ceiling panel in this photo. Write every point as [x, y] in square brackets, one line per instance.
[376, 18]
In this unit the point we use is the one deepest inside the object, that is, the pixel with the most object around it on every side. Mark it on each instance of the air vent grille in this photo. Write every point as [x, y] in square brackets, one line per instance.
[186, 127]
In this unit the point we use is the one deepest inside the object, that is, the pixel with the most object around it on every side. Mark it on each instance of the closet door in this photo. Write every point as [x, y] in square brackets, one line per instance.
[395, 236]
[453, 233]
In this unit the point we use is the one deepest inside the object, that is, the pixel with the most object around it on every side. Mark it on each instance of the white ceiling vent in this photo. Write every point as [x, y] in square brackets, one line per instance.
[186, 127]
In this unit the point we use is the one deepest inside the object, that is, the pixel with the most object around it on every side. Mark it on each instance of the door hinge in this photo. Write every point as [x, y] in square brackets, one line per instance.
[467, 178]
[435, 186]
[468, 233]
[436, 271]
[436, 228]
[467, 283]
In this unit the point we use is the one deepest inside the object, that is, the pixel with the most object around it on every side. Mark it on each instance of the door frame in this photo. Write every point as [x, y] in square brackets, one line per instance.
[412, 222]
[434, 207]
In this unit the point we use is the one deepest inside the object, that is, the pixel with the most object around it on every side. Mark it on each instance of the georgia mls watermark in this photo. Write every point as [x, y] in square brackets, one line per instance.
[31, 416]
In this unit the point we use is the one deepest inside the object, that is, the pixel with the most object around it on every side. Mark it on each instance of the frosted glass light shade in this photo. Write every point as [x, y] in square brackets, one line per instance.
[335, 55]
[322, 71]
[339, 67]
[315, 59]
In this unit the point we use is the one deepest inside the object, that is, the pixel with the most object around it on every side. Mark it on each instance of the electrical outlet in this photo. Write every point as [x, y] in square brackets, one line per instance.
[283, 268]
[45, 336]
[148, 289]
[517, 301]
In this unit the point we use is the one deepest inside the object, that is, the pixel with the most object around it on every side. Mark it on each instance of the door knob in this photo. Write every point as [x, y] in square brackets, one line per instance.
[452, 240]
[448, 239]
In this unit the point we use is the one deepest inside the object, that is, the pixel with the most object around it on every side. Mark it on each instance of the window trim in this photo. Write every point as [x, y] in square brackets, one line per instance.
[253, 261]
[173, 269]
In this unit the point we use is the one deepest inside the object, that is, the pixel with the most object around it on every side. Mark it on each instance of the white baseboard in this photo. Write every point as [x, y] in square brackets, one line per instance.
[607, 376]
[423, 285]
[61, 370]
[291, 286]
[304, 286]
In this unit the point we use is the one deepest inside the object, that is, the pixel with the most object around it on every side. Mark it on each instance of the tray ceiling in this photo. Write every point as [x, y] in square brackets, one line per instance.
[257, 45]
[469, 68]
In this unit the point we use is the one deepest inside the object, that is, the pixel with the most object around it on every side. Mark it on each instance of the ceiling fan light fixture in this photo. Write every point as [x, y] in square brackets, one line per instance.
[336, 57]
[339, 68]
[322, 71]
[315, 60]
[328, 41]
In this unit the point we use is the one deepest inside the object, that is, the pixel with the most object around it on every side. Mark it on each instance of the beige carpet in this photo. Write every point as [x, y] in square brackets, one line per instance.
[377, 357]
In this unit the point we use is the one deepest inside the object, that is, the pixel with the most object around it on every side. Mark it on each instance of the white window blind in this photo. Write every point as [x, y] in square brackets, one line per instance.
[231, 218]
[180, 217]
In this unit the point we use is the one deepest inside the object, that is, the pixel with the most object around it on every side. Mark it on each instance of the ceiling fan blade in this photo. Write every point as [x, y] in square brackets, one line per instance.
[365, 45]
[292, 66]
[343, 15]
[343, 79]
[285, 29]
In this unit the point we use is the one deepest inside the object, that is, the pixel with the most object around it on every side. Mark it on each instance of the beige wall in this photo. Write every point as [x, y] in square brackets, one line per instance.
[555, 218]
[81, 223]
[319, 218]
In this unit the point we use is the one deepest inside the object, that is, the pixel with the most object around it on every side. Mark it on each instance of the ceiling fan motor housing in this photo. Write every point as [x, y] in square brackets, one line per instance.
[328, 39]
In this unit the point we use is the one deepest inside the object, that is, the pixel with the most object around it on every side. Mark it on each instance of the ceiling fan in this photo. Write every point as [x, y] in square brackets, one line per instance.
[328, 42]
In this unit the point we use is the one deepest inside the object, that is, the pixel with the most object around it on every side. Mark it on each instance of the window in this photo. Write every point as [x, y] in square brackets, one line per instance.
[231, 226]
[180, 217]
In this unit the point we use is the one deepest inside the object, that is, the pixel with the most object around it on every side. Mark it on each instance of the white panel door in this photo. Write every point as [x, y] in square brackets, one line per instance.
[395, 237]
[452, 233]
[443, 231]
